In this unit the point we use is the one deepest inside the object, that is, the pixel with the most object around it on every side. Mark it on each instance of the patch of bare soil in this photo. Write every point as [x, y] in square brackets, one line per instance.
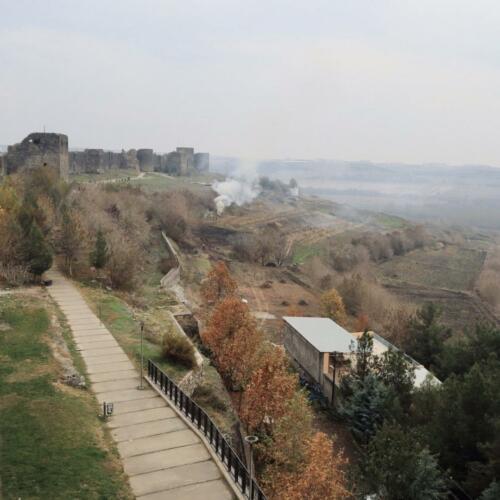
[339, 432]
[4, 327]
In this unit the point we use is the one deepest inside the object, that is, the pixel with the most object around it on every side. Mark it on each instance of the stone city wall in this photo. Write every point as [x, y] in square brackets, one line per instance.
[40, 149]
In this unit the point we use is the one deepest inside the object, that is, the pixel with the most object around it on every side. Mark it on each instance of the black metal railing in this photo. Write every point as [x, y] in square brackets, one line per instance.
[204, 423]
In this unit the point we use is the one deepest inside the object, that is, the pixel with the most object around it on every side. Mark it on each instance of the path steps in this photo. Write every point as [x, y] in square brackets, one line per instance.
[163, 457]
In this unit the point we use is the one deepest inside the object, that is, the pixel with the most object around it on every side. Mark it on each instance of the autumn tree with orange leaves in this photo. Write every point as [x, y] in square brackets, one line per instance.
[234, 340]
[284, 450]
[270, 389]
[333, 306]
[362, 322]
[321, 476]
[219, 284]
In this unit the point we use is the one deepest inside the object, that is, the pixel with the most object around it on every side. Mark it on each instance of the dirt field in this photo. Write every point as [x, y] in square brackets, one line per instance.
[461, 310]
[271, 290]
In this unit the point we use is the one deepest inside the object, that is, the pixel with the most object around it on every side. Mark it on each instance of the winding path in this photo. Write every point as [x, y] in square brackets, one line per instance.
[163, 457]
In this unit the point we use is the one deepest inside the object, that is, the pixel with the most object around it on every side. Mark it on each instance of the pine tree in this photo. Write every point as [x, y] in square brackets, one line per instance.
[364, 355]
[35, 251]
[99, 256]
[397, 466]
[365, 405]
[427, 336]
[492, 492]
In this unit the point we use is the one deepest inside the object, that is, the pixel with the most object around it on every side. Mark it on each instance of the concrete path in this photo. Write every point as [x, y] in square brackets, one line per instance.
[162, 456]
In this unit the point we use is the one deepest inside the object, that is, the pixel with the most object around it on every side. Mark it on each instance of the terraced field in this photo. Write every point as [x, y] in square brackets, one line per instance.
[451, 267]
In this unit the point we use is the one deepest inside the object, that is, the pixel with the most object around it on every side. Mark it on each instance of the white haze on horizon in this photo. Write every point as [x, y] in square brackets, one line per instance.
[411, 81]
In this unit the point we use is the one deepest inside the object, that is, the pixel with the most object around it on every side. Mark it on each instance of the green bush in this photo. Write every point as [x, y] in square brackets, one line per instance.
[206, 396]
[178, 348]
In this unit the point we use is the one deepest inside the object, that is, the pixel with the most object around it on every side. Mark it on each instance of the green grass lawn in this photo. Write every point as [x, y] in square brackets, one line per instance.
[106, 175]
[52, 443]
[304, 252]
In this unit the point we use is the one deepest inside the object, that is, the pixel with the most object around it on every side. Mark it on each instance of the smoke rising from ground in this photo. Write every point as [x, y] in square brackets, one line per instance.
[242, 186]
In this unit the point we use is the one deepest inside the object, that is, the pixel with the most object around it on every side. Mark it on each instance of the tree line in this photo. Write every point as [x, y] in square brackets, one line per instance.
[425, 442]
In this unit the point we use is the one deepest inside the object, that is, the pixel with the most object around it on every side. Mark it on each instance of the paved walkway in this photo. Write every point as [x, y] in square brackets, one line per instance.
[162, 456]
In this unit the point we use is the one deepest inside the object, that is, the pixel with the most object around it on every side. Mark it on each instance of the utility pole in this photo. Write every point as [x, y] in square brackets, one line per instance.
[251, 440]
[141, 385]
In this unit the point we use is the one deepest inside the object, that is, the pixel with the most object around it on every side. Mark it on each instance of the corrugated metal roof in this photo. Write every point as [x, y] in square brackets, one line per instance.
[323, 333]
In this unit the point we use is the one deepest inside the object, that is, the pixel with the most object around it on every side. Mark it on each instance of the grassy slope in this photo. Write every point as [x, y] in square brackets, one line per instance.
[52, 442]
[159, 182]
[108, 174]
[451, 267]
[124, 323]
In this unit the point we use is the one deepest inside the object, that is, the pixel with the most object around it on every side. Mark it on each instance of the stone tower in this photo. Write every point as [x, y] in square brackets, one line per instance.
[38, 150]
[146, 160]
[187, 160]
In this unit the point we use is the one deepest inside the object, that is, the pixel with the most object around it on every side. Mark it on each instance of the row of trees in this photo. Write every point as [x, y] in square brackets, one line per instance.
[292, 461]
[374, 246]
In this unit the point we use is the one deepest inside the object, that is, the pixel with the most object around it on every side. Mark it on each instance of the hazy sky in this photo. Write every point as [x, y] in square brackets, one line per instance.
[382, 80]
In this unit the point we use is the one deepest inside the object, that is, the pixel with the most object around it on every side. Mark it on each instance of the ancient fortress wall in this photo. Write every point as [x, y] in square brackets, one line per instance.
[40, 149]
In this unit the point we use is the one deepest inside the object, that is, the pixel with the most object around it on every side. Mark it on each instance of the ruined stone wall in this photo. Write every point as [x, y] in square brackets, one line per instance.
[38, 150]
[91, 161]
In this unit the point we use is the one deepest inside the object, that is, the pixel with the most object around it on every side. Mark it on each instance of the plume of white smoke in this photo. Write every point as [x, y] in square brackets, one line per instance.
[242, 187]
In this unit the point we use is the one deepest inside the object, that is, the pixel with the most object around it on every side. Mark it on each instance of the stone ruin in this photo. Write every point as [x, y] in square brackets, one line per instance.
[39, 149]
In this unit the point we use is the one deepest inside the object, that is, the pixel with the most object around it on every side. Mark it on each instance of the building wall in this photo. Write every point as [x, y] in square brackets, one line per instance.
[304, 354]
[327, 387]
